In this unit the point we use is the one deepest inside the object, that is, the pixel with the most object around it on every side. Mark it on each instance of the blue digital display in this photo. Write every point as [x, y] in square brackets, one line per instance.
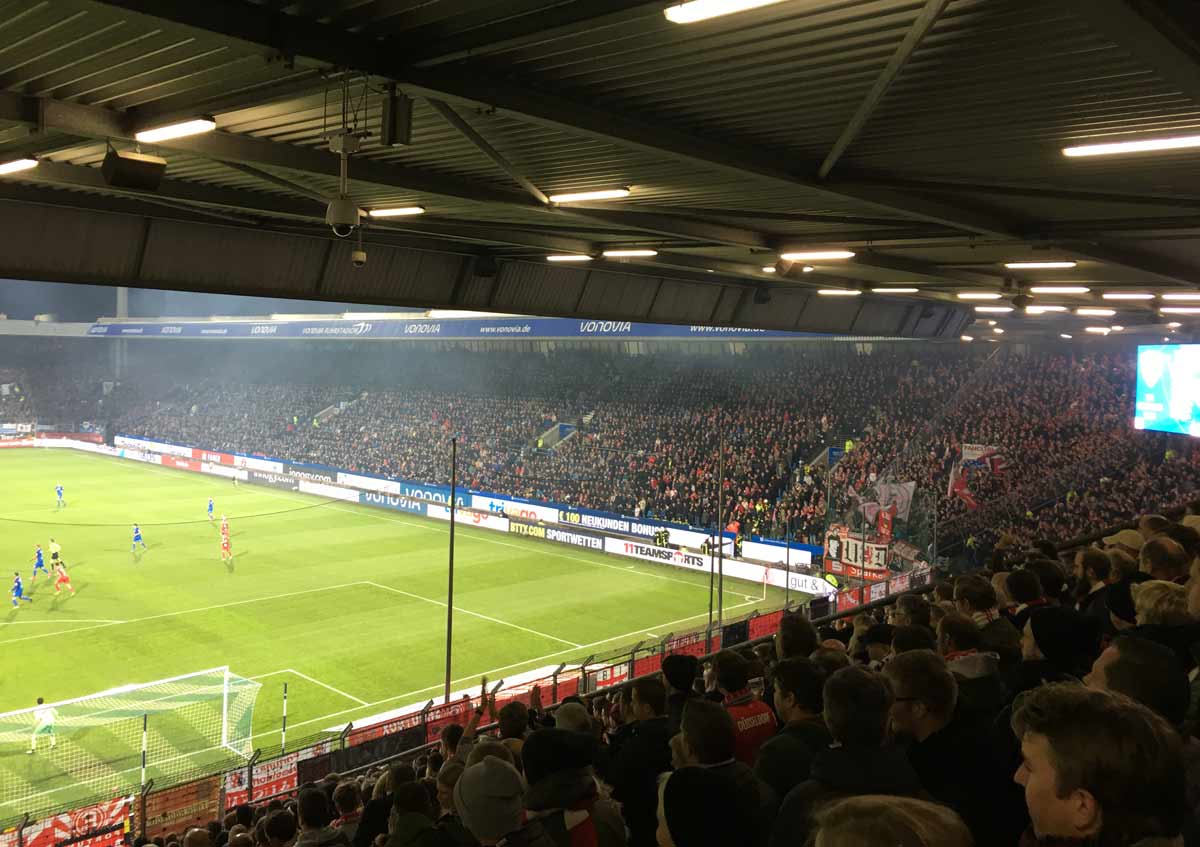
[1168, 388]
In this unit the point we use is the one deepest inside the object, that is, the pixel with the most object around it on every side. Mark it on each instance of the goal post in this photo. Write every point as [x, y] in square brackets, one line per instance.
[117, 739]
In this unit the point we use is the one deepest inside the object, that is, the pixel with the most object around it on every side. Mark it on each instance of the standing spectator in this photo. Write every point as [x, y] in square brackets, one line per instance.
[1165, 559]
[796, 637]
[448, 819]
[348, 802]
[753, 720]
[1092, 571]
[315, 818]
[857, 704]
[1099, 768]
[679, 672]
[642, 756]
[1057, 646]
[948, 750]
[708, 740]
[488, 799]
[694, 810]
[982, 692]
[912, 610]
[907, 638]
[562, 791]
[976, 599]
[785, 760]
[883, 821]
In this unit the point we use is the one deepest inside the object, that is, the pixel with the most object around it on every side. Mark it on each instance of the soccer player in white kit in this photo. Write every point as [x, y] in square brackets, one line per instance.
[46, 717]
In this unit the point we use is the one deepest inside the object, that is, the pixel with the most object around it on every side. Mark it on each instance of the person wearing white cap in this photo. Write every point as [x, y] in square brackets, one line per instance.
[488, 797]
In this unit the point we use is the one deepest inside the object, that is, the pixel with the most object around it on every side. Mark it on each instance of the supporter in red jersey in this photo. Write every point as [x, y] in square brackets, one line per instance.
[753, 721]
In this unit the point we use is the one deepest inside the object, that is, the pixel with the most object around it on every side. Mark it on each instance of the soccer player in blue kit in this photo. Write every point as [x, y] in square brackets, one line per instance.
[39, 563]
[210, 509]
[137, 539]
[18, 591]
[58, 489]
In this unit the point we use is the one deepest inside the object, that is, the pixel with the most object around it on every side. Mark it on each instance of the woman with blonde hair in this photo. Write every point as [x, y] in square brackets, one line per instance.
[1161, 603]
[876, 820]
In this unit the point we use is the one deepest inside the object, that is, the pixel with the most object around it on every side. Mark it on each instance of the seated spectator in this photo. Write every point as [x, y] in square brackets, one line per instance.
[982, 692]
[642, 756]
[976, 599]
[708, 740]
[754, 722]
[882, 821]
[694, 810]
[907, 638]
[1099, 768]
[488, 799]
[857, 704]
[680, 673]
[1165, 559]
[348, 803]
[784, 761]
[315, 819]
[562, 791]
[948, 749]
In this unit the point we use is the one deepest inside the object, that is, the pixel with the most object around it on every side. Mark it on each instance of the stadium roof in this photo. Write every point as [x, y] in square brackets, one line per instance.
[925, 137]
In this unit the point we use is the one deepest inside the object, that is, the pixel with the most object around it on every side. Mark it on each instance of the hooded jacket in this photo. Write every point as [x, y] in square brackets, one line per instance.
[569, 807]
[843, 772]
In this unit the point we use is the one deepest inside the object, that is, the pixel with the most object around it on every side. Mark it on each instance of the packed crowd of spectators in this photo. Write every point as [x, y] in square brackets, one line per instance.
[1055, 702]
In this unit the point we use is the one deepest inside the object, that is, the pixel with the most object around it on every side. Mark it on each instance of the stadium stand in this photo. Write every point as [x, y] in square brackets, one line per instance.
[1086, 738]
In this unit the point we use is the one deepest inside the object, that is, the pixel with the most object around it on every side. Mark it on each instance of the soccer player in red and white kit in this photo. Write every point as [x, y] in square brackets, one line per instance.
[61, 579]
[226, 546]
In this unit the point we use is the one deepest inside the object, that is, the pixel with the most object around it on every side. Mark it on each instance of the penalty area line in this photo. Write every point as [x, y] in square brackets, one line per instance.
[314, 681]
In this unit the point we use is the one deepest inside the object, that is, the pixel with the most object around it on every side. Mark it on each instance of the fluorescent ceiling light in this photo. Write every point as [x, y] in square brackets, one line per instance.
[1097, 330]
[1033, 266]
[1177, 143]
[1180, 310]
[998, 330]
[577, 196]
[1041, 310]
[816, 255]
[17, 165]
[1166, 340]
[1174, 324]
[629, 254]
[388, 316]
[768, 269]
[839, 292]
[1060, 289]
[895, 290]
[1117, 327]
[978, 295]
[991, 323]
[179, 130]
[701, 10]
[1096, 313]
[1065, 335]
[967, 337]
[994, 310]
[396, 212]
[1127, 295]
[1179, 296]
[807, 269]
[570, 257]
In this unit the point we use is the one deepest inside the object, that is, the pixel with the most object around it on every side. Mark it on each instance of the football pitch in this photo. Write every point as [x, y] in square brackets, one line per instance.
[344, 603]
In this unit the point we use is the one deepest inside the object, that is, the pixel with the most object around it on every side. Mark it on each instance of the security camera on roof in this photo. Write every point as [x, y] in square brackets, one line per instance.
[342, 214]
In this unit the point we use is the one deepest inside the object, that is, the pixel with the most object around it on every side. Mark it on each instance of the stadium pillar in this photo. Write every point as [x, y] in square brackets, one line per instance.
[450, 578]
[121, 351]
[721, 524]
[787, 558]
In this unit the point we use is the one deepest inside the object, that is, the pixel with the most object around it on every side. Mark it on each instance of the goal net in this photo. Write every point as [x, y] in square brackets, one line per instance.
[117, 740]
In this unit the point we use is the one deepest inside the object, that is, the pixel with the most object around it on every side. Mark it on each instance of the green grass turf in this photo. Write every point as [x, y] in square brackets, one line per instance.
[344, 603]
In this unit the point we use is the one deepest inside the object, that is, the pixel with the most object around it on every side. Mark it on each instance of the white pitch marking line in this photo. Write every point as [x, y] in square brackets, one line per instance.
[330, 687]
[185, 612]
[463, 611]
[57, 623]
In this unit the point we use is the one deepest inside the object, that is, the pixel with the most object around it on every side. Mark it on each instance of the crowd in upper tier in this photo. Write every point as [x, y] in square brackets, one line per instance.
[652, 436]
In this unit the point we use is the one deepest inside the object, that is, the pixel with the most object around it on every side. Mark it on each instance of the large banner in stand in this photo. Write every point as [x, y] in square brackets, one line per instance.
[176, 809]
[102, 825]
[274, 776]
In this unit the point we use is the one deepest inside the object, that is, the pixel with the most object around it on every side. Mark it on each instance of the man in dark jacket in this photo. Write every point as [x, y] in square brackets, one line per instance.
[643, 755]
[709, 740]
[1092, 570]
[680, 673]
[562, 791]
[784, 761]
[976, 598]
[949, 752]
[857, 704]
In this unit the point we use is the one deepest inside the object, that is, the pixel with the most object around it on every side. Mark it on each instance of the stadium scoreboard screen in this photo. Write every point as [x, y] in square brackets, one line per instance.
[1168, 388]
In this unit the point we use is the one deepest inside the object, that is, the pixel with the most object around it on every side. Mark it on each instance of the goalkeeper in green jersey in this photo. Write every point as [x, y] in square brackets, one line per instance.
[45, 717]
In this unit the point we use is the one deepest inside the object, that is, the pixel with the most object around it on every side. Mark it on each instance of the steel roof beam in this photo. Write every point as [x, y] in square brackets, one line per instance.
[928, 16]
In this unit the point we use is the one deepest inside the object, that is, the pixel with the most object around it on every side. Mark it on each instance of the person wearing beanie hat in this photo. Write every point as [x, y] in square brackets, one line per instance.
[488, 799]
[679, 673]
[1057, 645]
[694, 811]
[563, 794]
